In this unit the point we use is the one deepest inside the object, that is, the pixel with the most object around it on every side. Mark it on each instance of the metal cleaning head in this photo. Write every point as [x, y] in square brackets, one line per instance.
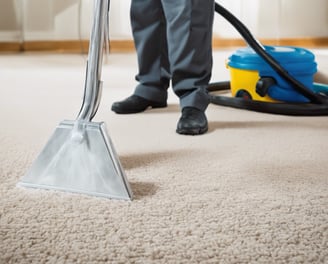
[82, 161]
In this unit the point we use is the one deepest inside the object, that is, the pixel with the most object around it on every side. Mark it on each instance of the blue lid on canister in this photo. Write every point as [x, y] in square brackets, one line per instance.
[292, 58]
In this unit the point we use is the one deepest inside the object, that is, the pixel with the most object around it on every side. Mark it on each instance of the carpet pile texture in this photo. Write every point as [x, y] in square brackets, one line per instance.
[254, 189]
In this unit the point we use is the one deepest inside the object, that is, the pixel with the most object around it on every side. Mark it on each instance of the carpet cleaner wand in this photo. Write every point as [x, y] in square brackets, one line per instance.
[80, 157]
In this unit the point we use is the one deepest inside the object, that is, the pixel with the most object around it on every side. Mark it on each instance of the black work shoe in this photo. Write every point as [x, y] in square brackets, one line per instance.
[192, 122]
[135, 104]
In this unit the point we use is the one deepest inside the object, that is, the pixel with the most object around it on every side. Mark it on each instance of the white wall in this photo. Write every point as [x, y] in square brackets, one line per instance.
[276, 18]
[71, 19]
[10, 20]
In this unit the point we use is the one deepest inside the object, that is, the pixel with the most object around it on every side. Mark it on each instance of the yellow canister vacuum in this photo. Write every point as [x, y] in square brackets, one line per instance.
[271, 79]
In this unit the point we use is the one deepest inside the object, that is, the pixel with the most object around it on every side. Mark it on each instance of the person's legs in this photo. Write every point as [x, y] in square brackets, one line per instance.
[185, 33]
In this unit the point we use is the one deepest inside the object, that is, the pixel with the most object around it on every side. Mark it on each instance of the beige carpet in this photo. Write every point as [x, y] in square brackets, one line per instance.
[254, 189]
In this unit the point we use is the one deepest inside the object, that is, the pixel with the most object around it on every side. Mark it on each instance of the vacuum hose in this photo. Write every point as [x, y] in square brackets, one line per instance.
[291, 109]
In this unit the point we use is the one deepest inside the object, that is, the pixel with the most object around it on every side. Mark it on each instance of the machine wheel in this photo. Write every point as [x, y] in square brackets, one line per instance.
[244, 94]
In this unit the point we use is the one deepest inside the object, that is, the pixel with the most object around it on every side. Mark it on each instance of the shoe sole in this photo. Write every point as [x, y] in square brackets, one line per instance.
[118, 111]
[192, 131]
